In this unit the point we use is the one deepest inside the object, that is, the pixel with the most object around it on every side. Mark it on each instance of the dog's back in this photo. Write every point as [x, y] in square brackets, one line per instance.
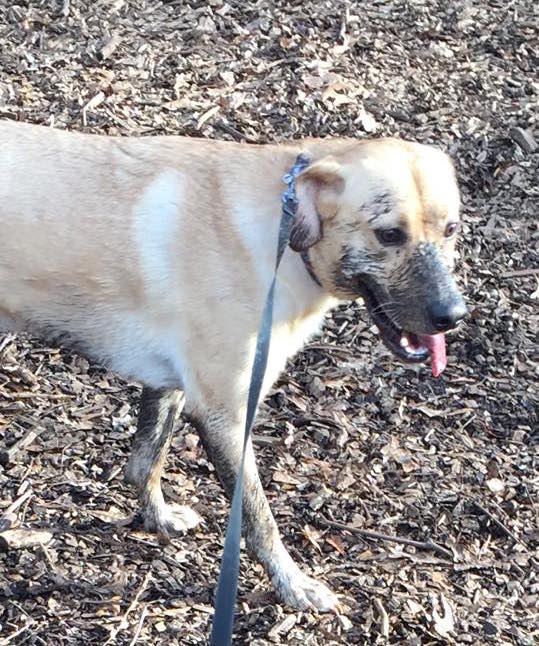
[69, 255]
[124, 247]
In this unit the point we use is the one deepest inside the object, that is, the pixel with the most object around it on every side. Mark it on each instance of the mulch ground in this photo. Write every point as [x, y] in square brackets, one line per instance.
[349, 437]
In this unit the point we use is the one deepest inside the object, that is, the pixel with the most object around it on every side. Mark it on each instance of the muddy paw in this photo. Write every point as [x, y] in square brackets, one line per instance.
[170, 520]
[305, 593]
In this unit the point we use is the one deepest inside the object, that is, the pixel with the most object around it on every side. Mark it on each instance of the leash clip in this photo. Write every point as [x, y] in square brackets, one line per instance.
[289, 178]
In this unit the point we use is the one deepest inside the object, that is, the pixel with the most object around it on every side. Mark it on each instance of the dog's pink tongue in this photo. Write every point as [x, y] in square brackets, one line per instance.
[435, 343]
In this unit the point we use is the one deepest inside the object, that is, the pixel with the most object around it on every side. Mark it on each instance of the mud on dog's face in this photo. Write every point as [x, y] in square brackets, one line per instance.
[381, 222]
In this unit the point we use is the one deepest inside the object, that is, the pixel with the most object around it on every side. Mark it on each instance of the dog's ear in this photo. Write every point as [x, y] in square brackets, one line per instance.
[316, 190]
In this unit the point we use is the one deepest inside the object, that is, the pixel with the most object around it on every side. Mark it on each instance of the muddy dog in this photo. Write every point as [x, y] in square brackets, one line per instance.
[153, 256]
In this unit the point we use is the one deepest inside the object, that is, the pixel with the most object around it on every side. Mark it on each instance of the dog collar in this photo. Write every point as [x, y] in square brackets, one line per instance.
[309, 267]
[289, 200]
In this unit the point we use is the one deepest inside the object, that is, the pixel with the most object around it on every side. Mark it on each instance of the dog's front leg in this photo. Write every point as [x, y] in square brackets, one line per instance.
[159, 411]
[223, 442]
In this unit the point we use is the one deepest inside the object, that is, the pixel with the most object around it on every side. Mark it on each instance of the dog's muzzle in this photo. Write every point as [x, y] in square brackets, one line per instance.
[415, 314]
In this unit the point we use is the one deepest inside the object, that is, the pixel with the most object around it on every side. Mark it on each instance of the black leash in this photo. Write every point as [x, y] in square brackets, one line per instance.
[225, 601]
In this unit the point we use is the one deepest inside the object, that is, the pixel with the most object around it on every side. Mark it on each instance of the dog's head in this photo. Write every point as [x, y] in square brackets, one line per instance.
[380, 220]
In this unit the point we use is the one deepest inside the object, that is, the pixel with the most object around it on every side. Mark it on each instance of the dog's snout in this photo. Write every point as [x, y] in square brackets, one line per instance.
[446, 315]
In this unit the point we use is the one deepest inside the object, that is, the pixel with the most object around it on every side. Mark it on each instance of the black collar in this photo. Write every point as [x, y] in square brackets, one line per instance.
[290, 205]
[309, 267]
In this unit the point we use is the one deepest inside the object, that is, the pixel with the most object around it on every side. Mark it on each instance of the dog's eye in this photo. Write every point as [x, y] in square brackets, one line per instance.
[391, 236]
[452, 229]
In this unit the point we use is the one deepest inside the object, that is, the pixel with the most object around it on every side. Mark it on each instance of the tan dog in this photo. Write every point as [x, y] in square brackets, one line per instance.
[153, 256]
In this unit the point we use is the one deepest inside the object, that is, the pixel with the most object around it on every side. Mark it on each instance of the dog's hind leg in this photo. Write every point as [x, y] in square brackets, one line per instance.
[223, 441]
[159, 411]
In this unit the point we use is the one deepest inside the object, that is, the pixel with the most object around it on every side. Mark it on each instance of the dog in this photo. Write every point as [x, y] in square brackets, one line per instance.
[153, 256]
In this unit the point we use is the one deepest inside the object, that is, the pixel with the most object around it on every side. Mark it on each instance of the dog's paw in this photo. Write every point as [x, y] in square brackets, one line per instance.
[169, 520]
[305, 593]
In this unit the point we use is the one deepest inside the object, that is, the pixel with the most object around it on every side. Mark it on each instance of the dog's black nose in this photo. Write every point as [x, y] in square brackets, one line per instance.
[445, 315]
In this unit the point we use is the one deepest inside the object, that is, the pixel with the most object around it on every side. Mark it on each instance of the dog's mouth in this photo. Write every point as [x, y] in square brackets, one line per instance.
[406, 345]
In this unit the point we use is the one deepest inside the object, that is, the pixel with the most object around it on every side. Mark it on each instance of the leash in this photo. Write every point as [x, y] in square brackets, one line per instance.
[225, 600]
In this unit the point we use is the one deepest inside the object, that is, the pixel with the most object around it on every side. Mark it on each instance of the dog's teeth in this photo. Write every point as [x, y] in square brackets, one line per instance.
[404, 342]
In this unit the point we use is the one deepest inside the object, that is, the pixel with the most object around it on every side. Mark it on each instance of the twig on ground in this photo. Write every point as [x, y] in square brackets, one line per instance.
[8, 517]
[18, 502]
[10, 638]
[519, 273]
[137, 595]
[239, 136]
[47, 555]
[143, 615]
[497, 522]
[123, 625]
[384, 619]
[423, 545]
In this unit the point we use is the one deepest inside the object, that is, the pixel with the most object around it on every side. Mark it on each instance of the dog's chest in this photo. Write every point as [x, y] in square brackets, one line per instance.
[287, 339]
[300, 308]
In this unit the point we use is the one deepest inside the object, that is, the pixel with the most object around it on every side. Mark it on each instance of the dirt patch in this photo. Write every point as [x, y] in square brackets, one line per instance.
[348, 436]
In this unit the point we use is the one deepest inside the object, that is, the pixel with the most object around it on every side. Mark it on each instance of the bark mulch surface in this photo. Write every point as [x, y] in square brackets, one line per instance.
[349, 438]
